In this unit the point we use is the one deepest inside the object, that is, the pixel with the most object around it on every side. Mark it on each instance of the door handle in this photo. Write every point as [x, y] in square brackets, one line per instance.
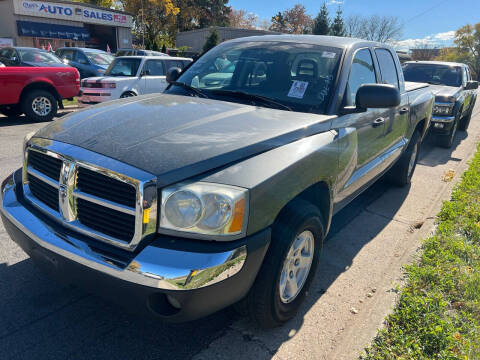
[404, 110]
[378, 122]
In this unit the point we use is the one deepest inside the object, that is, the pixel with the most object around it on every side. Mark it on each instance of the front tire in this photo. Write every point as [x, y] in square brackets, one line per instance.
[39, 105]
[446, 141]
[465, 121]
[289, 266]
[401, 173]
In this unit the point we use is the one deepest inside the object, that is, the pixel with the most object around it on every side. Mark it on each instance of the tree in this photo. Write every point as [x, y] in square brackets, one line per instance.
[278, 23]
[212, 41]
[196, 14]
[103, 3]
[467, 39]
[338, 27]
[321, 24]
[297, 19]
[374, 28]
[240, 19]
[153, 18]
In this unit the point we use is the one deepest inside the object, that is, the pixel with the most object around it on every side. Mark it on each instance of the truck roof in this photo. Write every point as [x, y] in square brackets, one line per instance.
[334, 41]
[447, 63]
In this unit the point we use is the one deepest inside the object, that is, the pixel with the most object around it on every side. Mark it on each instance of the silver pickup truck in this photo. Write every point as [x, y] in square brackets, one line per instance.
[217, 192]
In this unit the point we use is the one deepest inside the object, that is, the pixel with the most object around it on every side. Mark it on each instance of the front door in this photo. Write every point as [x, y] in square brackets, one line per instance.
[154, 76]
[367, 129]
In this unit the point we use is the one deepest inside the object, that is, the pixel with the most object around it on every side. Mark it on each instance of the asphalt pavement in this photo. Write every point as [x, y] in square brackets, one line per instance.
[369, 241]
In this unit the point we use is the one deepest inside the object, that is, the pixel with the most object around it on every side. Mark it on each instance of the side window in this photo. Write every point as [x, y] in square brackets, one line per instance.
[173, 63]
[81, 58]
[67, 54]
[4, 53]
[154, 68]
[387, 67]
[362, 72]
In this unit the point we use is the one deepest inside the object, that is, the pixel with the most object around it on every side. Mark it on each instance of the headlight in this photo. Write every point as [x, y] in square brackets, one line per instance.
[443, 109]
[204, 208]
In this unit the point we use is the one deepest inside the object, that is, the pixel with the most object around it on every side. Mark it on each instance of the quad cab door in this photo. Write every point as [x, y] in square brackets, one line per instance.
[396, 118]
[153, 76]
[364, 132]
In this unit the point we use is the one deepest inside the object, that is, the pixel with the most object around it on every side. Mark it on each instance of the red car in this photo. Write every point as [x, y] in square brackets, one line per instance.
[36, 92]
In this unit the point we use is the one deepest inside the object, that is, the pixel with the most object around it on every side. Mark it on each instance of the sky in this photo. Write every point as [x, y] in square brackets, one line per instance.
[425, 21]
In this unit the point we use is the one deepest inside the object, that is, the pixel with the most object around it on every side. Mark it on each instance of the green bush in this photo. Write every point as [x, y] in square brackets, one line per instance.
[438, 314]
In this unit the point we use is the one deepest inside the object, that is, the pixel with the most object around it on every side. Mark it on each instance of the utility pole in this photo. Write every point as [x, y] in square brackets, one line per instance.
[143, 27]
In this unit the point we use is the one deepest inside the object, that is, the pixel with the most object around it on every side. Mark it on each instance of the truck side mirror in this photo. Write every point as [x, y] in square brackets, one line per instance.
[173, 74]
[471, 85]
[377, 96]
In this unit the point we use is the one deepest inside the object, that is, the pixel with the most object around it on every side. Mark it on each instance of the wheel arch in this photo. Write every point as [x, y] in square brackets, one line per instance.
[319, 195]
[40, 85]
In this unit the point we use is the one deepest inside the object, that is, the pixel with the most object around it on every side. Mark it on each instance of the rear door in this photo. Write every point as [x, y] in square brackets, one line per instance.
[396, 119]
[154, 76]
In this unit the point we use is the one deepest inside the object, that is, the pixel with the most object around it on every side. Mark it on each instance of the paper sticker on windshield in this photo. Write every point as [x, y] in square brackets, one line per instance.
[329, 55]
[298, 89]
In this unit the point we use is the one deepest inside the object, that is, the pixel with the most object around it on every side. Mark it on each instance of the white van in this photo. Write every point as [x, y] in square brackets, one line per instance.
[129, 76]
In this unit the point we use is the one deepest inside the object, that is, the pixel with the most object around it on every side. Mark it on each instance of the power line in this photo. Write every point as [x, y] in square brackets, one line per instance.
[426, 11]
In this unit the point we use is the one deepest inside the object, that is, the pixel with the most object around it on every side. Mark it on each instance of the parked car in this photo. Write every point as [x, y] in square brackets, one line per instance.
[89, 62]
[129, 76]
[26, 56]
[455, 95]
[138, 52]
[36, 92]
[180, 204]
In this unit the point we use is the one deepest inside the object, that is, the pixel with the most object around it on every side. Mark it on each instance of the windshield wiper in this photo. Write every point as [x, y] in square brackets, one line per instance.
[254, 97]
[434, 83]
[190, 88]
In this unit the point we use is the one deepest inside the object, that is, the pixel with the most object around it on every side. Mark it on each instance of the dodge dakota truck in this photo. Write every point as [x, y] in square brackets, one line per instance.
[183, 203]
[36, 92]
[455, 95]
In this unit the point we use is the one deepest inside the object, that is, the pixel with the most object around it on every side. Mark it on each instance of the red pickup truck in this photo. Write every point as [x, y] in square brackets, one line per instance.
[36, 92]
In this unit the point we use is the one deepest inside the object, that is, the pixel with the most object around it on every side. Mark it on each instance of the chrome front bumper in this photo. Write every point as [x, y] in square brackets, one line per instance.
[443, 119]
[154, 267]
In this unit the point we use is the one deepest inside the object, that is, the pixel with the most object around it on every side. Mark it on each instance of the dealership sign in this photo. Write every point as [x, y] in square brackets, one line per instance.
[71, 12]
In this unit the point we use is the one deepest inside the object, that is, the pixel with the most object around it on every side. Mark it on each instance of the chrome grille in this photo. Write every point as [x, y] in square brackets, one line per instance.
[104, 204]
[45, 164]
[106, 187]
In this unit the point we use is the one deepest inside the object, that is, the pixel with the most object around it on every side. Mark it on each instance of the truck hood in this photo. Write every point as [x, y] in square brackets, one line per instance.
[177, 137]
[444, 91]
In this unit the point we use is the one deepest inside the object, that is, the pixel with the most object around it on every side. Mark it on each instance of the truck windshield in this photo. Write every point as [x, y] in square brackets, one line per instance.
[434, 74]
[297, 76]
[123, 67]
[38, 56]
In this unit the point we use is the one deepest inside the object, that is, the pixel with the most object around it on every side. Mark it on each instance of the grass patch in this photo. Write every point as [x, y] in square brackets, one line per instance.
[438, 314]
[70, 102]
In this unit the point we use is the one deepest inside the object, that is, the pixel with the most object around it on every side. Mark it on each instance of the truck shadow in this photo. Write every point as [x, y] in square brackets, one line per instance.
[42, 319]
[22, 120]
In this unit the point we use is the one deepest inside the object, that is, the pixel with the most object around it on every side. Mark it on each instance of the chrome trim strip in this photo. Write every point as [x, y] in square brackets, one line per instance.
[73, 158]
[42, 177]
[443, 119]
[154, 267]
[106, 203]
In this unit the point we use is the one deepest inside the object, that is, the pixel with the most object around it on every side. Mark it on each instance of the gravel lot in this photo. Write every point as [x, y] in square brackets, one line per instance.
[368, 243]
